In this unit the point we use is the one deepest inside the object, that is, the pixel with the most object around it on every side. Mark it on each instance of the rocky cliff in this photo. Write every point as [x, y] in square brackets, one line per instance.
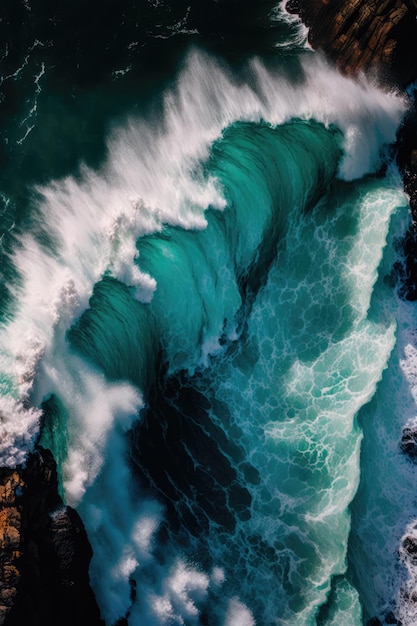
[377, 35]
[45, 552]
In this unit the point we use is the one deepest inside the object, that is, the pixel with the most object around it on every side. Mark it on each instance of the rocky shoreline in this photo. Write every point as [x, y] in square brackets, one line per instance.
[377, 36]
[45, 553]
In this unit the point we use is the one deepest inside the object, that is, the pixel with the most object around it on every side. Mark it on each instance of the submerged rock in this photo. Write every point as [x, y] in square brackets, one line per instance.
[408, 442]
[407, 161]
[45, 553]
[10, 539]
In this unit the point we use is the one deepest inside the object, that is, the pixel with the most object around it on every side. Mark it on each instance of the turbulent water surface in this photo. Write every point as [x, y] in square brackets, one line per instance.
[200, 234]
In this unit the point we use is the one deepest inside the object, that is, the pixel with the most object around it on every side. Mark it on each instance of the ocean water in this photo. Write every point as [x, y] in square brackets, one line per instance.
[201, 237]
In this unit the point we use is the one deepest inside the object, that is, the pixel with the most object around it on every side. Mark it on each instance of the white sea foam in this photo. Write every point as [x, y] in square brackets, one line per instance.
[403, 582]
[175, 599]
[384, 511]
[385, 506]
[18, 427]
[238, 613]
[300, 36]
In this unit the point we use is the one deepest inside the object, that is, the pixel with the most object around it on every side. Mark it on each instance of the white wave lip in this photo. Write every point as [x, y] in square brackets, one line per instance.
[153, 176]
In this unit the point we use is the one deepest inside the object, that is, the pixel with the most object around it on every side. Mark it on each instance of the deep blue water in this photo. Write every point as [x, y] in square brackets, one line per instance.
[200, 313]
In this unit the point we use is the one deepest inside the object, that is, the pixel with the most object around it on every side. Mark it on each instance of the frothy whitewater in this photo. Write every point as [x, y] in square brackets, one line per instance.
[237, 250]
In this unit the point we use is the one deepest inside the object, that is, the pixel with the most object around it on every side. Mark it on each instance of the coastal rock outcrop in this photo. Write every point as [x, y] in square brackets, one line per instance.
[11, 484]
[358, 35]
[408, 442]
[45, 553]
[407, 161]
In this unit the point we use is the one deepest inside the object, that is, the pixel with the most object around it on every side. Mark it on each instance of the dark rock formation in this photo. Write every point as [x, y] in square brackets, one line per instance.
[410, 548]
[10, 539]
[377, 35]
[408, 442]
[45, 553]
[407, 161]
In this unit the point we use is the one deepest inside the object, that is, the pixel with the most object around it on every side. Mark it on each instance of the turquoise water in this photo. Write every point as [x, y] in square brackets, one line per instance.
[205, 322]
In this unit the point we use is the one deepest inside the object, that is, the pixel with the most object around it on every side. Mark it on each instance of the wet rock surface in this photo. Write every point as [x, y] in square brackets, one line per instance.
[45, 553]
[408, 442]
[364, 35]
[407, 161]
[10, 539]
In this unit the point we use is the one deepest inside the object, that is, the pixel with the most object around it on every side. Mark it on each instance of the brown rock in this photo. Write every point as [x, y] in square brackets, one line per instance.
[378, 37]
[9, 483]
[10, 539]
[44, 551]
